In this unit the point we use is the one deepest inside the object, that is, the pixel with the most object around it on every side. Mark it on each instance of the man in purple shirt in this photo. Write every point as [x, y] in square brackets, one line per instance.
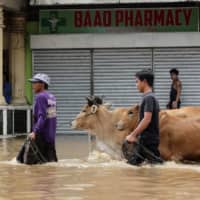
[44, 117]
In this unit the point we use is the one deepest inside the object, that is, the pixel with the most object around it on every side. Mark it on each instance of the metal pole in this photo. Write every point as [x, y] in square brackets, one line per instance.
[4, 122]
[13, 122]
[28, 120]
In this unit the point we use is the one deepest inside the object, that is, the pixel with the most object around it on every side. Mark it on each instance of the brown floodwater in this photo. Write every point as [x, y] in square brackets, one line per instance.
[78, 176]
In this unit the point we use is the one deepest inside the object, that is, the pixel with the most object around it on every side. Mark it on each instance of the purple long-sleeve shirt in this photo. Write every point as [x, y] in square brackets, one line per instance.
[44, 113]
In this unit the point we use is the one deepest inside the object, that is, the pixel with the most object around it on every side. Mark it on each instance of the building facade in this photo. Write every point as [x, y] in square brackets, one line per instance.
[14, 108]
[95, 48]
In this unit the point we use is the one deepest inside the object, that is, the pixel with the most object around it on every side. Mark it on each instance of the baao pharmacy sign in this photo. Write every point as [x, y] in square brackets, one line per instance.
[119, 20]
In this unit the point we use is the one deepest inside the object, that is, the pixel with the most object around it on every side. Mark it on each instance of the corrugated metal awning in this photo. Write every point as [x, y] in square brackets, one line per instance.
[72, 2]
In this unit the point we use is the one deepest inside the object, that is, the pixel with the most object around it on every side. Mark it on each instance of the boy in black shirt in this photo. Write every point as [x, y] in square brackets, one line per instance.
[146, 134]
[175, 91]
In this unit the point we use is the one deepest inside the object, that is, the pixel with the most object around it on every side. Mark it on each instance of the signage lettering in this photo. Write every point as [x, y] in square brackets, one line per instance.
[103, 20]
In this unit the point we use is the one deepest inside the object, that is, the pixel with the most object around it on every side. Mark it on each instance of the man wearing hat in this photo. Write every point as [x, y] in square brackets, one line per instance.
[175, 92]
[44, 117]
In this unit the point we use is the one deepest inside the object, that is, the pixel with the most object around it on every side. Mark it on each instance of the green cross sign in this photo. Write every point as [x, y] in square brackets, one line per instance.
[53, 22]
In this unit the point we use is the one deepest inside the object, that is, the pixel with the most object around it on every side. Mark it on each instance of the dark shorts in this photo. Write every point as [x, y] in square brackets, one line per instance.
[145, 152]
[169, 105]
[47, 149]
[37, 152]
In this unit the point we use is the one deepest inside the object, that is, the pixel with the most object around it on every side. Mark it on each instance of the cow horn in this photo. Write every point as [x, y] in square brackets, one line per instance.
[93, 109]
[90, 100]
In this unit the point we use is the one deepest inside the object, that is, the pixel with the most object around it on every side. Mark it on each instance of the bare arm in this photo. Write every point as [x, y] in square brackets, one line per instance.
[140, 128]
[178, 86]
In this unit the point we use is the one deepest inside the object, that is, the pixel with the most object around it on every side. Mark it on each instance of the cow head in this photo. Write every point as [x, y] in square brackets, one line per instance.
[89, 115]
[94, 100]
[128, 119]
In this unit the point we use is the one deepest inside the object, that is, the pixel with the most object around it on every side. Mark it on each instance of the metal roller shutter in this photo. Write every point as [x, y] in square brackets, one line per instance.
[70, 72]
[187, 61]
[114, 71]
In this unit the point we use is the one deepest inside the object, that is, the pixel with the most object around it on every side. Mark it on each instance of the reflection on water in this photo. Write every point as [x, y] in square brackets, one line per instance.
[77, 176]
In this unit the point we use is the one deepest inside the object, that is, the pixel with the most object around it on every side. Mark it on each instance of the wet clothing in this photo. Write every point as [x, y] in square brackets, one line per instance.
[42, 149]
[44, 113]
[150, 104]
[36, 151]
[173, 94]
[145, 152]
[148, 140]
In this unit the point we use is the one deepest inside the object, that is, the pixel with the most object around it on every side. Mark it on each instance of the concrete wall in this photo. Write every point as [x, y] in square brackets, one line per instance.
[12, 4]
[31, 28]
[117, 40]
[5, 40]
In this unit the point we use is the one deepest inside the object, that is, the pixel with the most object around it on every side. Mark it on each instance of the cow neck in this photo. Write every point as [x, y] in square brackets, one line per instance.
[104, 126]
[104, 129]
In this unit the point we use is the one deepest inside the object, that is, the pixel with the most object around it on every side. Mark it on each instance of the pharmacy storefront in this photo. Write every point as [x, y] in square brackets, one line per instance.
[98, 51]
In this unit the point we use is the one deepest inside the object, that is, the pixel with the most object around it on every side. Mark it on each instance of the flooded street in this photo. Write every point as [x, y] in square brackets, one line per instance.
[77, 176]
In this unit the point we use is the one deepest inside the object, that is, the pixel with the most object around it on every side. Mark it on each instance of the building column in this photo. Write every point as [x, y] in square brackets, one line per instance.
[17, 58]
[2, 99]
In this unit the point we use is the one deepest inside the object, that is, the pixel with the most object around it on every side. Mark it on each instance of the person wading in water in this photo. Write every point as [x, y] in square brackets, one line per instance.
[146, 134]
[175, 91]
[39, 147]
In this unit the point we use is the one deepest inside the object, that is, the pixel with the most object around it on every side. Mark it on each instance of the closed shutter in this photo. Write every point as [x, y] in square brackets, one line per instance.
[69, 71]
[114, 74]
[187, 61]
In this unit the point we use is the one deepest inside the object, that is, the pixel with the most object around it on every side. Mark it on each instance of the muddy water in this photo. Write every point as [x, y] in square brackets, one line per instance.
[77, 176]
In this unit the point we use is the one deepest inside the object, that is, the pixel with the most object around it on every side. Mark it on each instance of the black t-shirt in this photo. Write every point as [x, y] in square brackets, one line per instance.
[150, 104]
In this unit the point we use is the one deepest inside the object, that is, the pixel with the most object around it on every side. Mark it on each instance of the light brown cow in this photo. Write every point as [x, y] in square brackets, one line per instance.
[179, 132]
[98, 120]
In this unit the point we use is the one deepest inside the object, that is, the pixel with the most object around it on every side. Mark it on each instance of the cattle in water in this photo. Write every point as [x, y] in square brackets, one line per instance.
[98, 120]
[179, 132]
[179, 129]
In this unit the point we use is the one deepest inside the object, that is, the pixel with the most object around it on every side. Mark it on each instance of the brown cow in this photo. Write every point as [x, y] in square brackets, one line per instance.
[179, 132]
[179, 129]
[190, 111]
[126, 118]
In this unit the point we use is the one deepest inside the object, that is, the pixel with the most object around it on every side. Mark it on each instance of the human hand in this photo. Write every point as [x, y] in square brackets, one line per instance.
[131, 138]
[174, 104]
[32, 136]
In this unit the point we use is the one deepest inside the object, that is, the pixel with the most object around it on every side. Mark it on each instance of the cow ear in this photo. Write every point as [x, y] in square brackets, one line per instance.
[137, 107]
[93, 109]
[108, 105]
[98, 100]
[163, 115]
